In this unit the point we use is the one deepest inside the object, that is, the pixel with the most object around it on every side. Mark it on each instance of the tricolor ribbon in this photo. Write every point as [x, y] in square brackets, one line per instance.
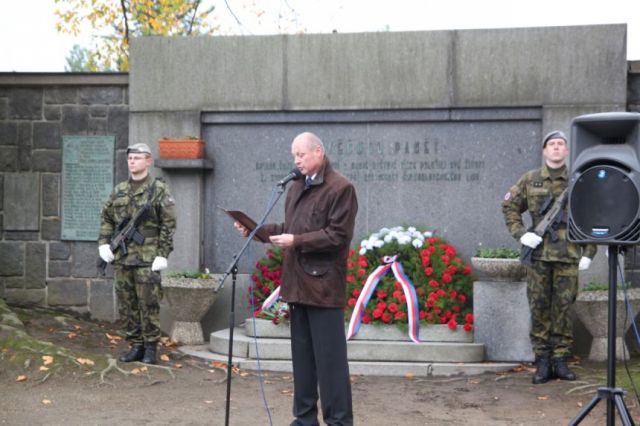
[269, 301]
[368, 289]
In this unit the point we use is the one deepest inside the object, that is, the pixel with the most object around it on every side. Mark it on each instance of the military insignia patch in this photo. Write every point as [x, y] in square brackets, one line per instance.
[507, 196]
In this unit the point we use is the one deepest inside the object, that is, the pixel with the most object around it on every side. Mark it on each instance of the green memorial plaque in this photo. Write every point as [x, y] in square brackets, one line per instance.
[87, 181]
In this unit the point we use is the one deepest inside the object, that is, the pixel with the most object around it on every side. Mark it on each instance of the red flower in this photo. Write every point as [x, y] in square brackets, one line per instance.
[468, 327]
[452, 324]
[393, 308]
[445, 259]
[366, 319]
[386, 318]
[428, 271]
[377, 313]
[350, 278]
[433, 283]
[422, 314]
[400, 315]
[446, 278]
[350, 264]
[361, 272]
[356, 292]
[425, 260]
[466, 270]
[351, 302]
[468, 317]
[381, 294]
[462, 298]
[362, 261]
[381, 305]
[397, 285]
[453, 294]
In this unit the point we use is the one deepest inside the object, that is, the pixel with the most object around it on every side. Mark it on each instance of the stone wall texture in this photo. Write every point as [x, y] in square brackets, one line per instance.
[36, 111]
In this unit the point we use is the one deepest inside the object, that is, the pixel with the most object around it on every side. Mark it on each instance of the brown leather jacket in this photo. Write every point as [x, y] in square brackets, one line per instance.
[321, 219]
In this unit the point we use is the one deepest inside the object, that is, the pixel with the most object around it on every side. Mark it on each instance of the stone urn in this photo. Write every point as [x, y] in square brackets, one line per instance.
[592, 307]
[189, 299]
[494, 269]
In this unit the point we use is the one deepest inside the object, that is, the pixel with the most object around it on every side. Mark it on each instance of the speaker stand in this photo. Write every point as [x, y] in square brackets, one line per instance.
[612, 395]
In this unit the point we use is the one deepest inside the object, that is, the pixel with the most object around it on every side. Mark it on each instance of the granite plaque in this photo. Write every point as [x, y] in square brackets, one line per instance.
[87, 181]
[446, 170]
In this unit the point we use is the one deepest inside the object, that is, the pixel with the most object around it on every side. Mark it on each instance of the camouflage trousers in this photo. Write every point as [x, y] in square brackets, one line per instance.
[139, 294]
[552, 287]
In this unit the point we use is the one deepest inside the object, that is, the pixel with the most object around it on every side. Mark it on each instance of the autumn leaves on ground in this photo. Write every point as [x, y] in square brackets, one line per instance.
[58, 368]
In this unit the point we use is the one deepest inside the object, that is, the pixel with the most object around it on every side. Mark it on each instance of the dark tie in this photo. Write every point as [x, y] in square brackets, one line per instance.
[307, 181]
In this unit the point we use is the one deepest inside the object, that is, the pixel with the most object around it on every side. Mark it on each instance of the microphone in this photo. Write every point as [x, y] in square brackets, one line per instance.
[293, 175]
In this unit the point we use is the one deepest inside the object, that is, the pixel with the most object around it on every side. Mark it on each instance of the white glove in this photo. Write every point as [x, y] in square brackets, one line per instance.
[159, 263]
[584, 264]
[105, 253]
[531, 239]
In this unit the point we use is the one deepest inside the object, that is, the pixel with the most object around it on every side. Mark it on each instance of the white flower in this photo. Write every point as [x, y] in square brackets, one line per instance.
[387, 238]
[404, 239]
[411, 229]
[378, 243]
[417, 243]
[362, 251]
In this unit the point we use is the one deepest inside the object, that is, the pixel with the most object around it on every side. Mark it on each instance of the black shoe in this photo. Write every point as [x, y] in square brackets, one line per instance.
[149, 353]
[543, 370]
[561, 370]
[135, 354]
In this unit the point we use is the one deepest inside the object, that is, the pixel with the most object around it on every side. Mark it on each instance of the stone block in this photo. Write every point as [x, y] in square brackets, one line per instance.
[75, 120]
[8, 158]
[1, 193]
[21, 201]
[118, 125]
[97, 126]
[24, 134]
[122, 172]
[21, 235]
[51, 229]
[100, 95]
[13, 282]
[36, 265]
[84, 259]
[102, 301]
[52, 113]
[98, 111]
[25, 104]
[59, 269]
[25, 297]
[25, 159]
[8, 133]
[4, 108]
[47, 160]
[12, 258]
[59, 251]
[47, 135]
[61, 95]
[501, 320]
[67, 292]
[50, 194]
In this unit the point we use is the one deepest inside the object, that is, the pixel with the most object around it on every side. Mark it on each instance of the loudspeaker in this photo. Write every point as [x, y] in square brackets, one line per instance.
[604, 185]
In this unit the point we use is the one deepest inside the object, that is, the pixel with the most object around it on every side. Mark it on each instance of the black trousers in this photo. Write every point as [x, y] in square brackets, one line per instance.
[319, 353]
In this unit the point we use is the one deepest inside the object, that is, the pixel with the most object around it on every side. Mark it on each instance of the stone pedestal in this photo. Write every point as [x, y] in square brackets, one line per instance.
[592, 307]
[189, 300]
[501, 320]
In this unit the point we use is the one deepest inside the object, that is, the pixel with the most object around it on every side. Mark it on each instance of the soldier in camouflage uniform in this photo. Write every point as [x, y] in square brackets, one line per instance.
[137, 274]
[553, 278]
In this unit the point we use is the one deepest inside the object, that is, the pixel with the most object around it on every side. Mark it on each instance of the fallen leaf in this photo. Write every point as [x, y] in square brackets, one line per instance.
[135, 371]
[164, 357]
[43, 368]
[409, 376]
[208, 402]
[77, 327]
[112, 338]
[144, 369]
[47, 359]
[71, 335]
[543, 398]
[286, 391]
[579, 403]
[178, 365]
[473, 381]
[85, 361]
[46, 401]
[21, 378]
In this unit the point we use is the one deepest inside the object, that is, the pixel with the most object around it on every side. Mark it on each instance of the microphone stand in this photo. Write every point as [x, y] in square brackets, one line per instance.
[233, 270]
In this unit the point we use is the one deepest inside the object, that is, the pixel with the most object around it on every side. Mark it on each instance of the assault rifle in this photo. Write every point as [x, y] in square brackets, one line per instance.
[549, 223]
[126, 231]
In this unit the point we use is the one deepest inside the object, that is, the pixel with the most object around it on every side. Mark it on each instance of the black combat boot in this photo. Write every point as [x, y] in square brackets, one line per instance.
[543, 370]
[135, 354]
[561, 370]
[149, 353]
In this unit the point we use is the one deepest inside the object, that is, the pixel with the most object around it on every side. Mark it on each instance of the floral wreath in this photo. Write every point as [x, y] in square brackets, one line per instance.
[430, 282]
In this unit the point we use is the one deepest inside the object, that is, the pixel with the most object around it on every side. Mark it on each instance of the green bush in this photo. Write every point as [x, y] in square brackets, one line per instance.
[498, 253]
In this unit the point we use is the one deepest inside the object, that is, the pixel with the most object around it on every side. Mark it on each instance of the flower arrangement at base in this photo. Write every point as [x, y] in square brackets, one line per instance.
[441, 279]
[426, 268]
[266, 279]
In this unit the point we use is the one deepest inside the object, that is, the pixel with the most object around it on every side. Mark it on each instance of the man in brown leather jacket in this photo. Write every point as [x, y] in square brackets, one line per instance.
[320, 213]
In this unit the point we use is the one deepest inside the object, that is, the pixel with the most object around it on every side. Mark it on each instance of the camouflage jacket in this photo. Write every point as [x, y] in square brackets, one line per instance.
[530, 194]
[157, 227]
